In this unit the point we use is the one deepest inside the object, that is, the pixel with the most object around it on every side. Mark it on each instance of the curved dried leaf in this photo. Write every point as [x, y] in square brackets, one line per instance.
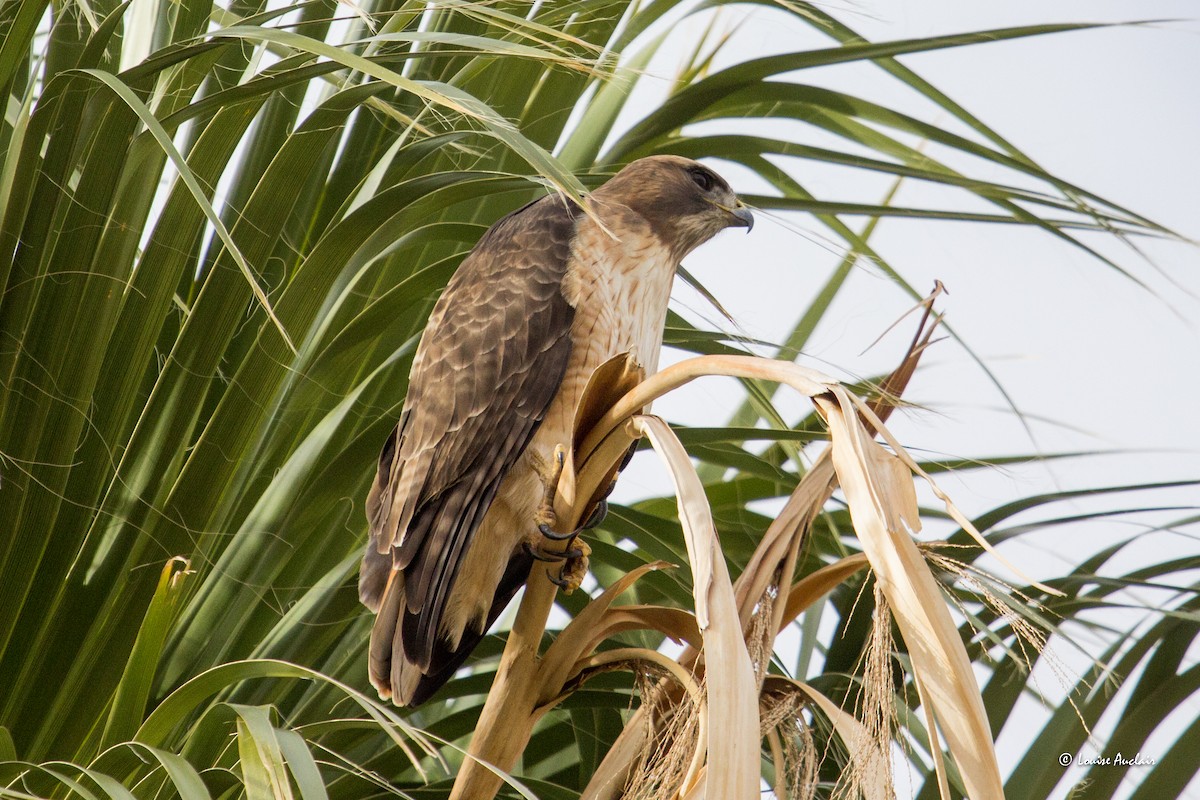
[879, 489]
[731, 688]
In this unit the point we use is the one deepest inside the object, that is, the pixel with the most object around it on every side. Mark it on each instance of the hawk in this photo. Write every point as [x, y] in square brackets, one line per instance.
[547, 295]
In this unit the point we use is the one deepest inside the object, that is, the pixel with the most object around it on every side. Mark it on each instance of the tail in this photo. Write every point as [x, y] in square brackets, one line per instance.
[393, 669]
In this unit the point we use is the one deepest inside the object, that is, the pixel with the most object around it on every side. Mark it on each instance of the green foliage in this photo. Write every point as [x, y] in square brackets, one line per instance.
[221, 230]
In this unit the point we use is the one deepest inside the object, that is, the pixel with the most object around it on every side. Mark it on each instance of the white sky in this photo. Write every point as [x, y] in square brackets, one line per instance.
[1113, 367]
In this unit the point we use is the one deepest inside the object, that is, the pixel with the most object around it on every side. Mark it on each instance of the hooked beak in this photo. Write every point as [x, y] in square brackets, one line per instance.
[743, 216]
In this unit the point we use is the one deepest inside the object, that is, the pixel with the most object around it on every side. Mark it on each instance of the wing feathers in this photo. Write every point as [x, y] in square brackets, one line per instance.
[418, 689]
[379, 655]
[490, 362]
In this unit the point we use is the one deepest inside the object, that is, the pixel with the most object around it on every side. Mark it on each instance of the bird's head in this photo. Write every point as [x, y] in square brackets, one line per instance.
[684, 202]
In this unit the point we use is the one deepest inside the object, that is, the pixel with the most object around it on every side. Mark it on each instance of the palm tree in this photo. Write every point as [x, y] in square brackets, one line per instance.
[221, 231]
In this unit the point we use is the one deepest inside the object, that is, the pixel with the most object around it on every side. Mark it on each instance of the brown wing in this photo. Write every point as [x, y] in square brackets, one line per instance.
[489, 363]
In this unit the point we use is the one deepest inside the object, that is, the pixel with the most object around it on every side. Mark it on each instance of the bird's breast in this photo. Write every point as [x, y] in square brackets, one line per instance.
[619, 289]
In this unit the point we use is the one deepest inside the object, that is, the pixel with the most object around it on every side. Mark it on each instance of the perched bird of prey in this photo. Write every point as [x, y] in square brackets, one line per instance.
[546, 296]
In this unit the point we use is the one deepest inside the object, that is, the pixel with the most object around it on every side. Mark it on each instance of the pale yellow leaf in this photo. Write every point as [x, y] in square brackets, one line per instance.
[817, 584]
[732, 755]
[952, 509]
[938, 656]
[578, 639]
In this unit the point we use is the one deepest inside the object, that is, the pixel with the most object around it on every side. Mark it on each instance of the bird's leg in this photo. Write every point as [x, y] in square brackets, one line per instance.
[575, 565]
[574, 554]
[545, 517]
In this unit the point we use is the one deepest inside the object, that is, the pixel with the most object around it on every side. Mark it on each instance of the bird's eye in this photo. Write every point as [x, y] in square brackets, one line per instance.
[702, 179]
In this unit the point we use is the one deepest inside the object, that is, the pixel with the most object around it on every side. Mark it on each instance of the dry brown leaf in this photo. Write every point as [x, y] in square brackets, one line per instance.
[951, 508]
[611, 777]
[675, 623]
[732, 750]
[777, 548]
[611, 381]
[816, 585]
[578, 639]
[939, 763]
[881, 499]
[808, 382]
[782, 537]
[631, 656]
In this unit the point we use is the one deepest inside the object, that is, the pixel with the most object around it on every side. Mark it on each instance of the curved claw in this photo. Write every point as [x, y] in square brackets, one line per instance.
[552, 556]
[628, 457]
[539, 555]
[599, 513]
[554, 535]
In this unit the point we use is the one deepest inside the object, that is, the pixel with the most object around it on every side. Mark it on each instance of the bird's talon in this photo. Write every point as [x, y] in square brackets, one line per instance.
[596, 518]
[554, 535]
[574, 568]
[541, 555]
[557, 556]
